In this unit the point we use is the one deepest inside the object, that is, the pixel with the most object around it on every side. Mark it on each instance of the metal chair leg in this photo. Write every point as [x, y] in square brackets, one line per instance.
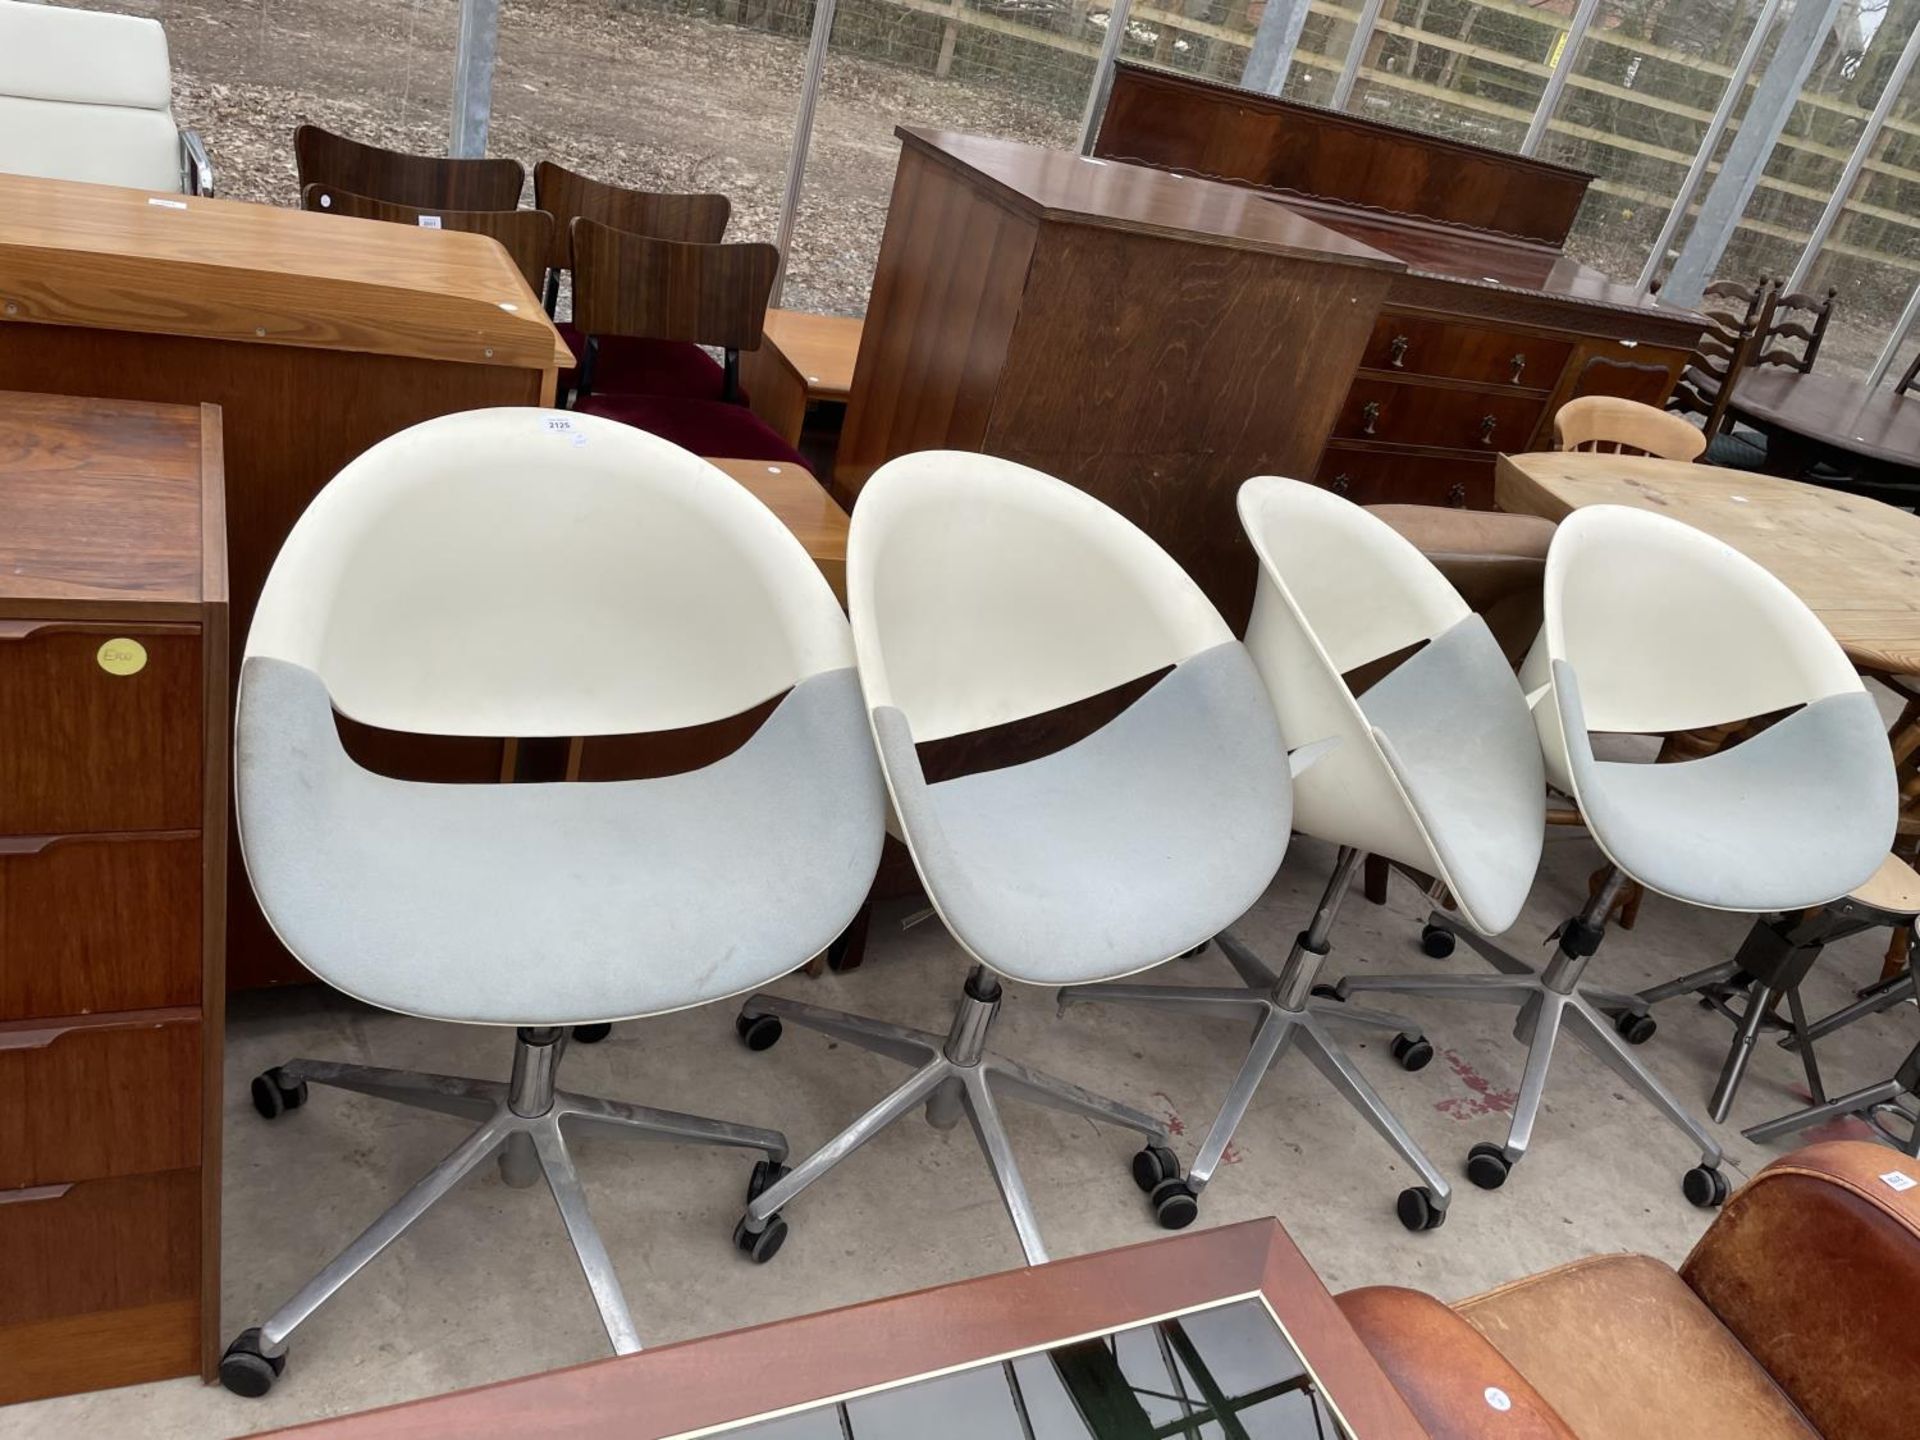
[994, 1144]
[564, 1184]
[1038, 1088]
[1268, 1042]
[1547, 1014]
[1345, 1077]
[1849, 1104]
[1760, 998]
[444, 1094]
[1594, 1029]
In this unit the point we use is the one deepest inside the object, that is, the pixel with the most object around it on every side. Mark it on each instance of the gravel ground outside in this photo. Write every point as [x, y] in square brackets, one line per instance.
[637, 95]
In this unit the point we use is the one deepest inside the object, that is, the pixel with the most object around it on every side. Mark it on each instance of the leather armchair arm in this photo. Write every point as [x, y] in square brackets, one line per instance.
[1814, 1266]
[1457, 1384]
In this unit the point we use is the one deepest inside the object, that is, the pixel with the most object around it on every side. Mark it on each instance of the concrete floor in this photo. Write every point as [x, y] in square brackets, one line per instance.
[486, 1287]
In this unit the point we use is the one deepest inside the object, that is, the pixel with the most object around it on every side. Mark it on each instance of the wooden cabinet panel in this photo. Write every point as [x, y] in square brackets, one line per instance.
[1444, 417]
[1422, 346]
[94, 924]
[100, 1284]
[86, 749]
[111, 1095]
[1382, 475]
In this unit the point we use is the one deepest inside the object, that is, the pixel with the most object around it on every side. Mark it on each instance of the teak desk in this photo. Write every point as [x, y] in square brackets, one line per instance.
[113, 815]
[315, 334]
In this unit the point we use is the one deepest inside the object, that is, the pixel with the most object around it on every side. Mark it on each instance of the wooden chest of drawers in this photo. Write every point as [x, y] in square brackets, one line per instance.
[113, 819]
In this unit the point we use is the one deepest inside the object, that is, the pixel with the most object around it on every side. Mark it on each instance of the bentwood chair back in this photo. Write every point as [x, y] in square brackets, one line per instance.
[526, 235]
[433, 182]
[1610, 425]
[567, 195]
[523, 573]
[88, 95]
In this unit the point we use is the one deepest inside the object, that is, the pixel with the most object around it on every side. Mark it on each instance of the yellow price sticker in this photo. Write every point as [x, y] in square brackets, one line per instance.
[122, 657]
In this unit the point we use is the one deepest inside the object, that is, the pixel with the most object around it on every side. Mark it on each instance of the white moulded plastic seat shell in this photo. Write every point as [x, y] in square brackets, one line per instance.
[523, 572]
[1436, 765]
[1653, 627]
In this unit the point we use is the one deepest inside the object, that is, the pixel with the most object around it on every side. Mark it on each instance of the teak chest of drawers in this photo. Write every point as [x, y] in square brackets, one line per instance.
[113, 814]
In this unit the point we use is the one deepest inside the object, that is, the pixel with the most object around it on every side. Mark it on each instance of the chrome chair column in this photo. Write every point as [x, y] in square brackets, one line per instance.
[1285, 1012]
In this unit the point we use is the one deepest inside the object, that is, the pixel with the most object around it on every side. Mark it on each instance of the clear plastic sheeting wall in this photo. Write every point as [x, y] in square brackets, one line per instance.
[1015, 69]
[246, 72]
[1471, 70]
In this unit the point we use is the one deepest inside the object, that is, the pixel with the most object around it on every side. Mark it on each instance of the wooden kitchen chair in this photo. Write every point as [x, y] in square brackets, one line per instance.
[430, 181]
[1625, 427]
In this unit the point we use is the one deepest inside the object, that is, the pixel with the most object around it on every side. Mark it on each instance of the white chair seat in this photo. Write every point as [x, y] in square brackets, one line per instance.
[1791, 818]
[557, 904]
[1127, 848]
[1458, 736]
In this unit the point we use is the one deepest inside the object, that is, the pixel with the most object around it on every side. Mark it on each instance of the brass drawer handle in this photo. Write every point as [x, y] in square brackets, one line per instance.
[1457, 495]
[1519, 363]
[1397, 352]
[1369, 416]
[1487, 422]
[1342, 483]
[30, 1193]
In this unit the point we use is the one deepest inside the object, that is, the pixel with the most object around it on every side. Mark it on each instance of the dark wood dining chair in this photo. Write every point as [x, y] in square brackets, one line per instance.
[434, 182]
[1733, 312]
[1905, 382]
[674, 293]
[526, 235]
[1780, 330]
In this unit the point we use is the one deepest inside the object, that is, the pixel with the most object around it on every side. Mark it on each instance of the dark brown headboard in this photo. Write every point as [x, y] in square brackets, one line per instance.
[1175, 122]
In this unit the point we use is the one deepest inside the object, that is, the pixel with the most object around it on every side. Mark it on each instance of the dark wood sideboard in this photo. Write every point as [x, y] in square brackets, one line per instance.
[113, 815]
[1490, 327]
[1151, 339]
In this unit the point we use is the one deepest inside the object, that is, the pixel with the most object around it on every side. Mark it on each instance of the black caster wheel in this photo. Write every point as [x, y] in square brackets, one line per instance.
[1705, 1187]
[758, 1032]
[765, 1176]
[1436, 941]
[591, 1034]
[1328, 992]
[1412, 1051]
[1417, 1210]
[764, 1246]
[1635, 1029]
[1154, 1166]
[274, 1095]
[1199, 949]
[1488, 1166]
[245, 1371]
[1175, 1204]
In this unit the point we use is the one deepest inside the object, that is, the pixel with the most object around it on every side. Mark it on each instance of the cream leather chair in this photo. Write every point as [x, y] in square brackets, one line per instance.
[1341, 594]
[1651, 628]
[86, 95]
[982, 593]
[525, 573]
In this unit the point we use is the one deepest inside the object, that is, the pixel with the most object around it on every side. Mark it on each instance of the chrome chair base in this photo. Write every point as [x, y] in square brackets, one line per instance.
[954, 1076]
[1285, 1013]
[1551, 1001]
[520, 1123]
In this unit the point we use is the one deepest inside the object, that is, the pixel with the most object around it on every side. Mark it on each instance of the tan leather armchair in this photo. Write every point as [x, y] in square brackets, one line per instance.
[1793, 1317]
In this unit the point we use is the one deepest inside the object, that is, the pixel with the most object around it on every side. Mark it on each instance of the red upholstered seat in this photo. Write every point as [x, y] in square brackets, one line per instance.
[630, 365]
[713, 428]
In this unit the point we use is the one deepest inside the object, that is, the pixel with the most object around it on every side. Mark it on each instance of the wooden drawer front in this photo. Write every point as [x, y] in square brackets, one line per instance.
[1440, 416]
[83, 749]
[113, 1095]
[1464, 352]
[89, 925]
[1375, 475]
[101, 1283]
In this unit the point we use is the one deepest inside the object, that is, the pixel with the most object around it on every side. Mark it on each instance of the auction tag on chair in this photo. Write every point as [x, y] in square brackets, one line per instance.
[429, 222]
[1898, 1180]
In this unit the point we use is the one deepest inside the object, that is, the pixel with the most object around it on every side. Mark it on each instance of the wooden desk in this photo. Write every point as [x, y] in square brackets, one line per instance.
[726, 1379]
[1150, 339]
[317, 335]
[113, 811]
[804, 507]
[1854, 561]
[1488, 329]
[1829, 417]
